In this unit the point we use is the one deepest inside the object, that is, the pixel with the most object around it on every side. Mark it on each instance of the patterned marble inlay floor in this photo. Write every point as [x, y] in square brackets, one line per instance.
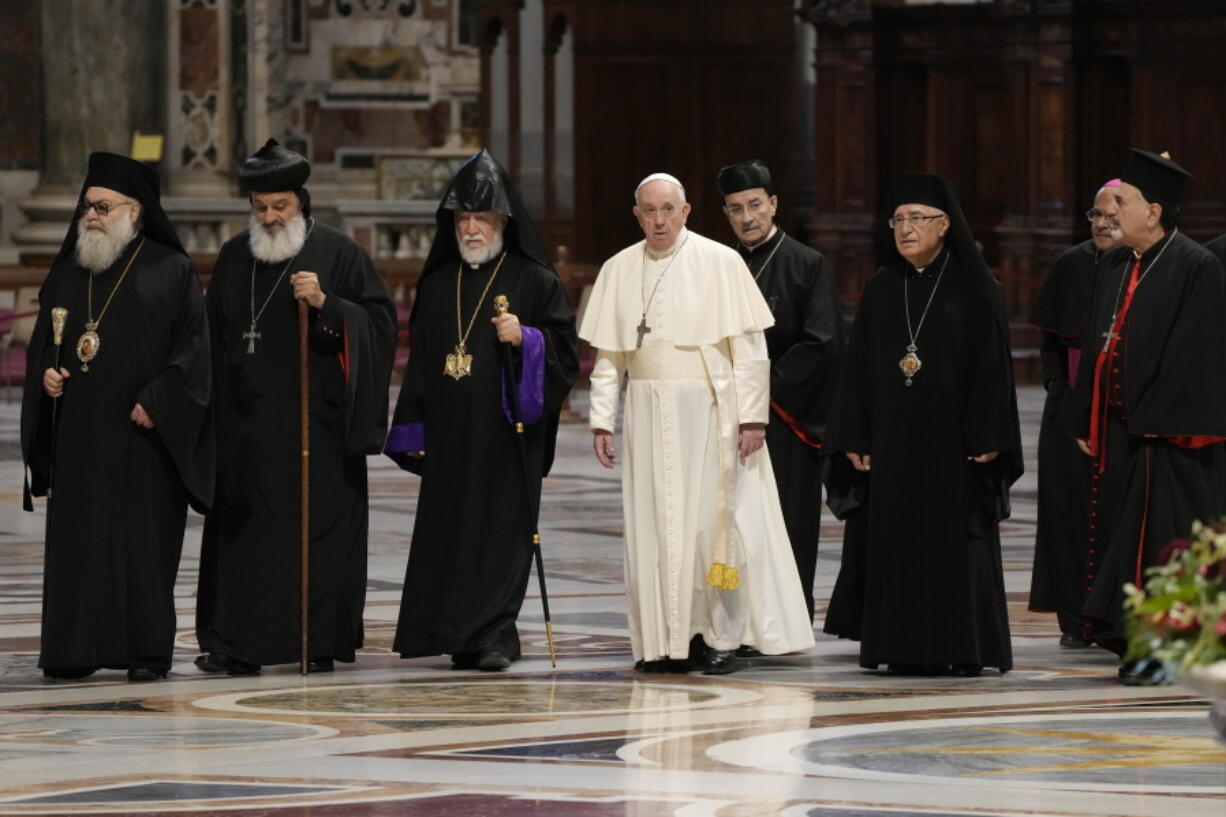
[809, 735]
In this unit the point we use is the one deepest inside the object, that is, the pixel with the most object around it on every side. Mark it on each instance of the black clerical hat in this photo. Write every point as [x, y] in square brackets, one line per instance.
[744, 176]
[272, 169]
[1157, 177]
[481, 185]
[921, 188]
[134, 179]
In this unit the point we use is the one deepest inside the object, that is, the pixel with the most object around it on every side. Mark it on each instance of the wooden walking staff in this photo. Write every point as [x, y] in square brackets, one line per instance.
[501, 305]
[304, 423]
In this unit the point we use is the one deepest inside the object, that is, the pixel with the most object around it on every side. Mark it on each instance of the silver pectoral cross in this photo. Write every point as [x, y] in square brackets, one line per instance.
[1109, 336]
[251, 336]
[642, 329]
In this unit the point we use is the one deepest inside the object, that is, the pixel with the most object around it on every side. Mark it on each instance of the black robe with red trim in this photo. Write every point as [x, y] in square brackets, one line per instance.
[248, 606]
[1161, 462]
[1056, 582]
[805, 345]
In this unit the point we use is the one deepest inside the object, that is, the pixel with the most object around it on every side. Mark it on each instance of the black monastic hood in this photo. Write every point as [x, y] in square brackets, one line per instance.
[135, 180]
[482, 185]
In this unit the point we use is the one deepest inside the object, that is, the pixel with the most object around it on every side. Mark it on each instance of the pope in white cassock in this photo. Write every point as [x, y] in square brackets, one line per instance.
[707, 556]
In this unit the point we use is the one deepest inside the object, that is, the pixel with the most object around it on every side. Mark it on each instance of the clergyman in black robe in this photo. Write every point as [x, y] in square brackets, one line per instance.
[1151, 407]
[1057, 582]
[471, 550]
[926, 413]
[249, 599]
[805, 345]
[119, 438]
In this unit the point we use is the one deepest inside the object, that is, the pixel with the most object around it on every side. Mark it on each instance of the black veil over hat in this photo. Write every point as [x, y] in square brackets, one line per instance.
[133, 179]
[482, 185]
[938, 192]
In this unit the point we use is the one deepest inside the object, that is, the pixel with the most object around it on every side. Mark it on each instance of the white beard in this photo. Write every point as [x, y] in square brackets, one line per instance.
[483, 255]
[281, 245]
[97, 250]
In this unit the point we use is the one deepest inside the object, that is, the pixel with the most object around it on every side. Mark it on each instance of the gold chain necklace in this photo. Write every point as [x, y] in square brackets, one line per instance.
[89, 344]
[459, 362]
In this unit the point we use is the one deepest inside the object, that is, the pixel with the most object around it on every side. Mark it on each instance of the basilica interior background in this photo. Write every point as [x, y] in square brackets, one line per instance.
[1027, 105]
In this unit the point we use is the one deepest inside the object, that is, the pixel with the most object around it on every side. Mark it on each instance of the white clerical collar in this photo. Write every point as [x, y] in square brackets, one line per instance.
[657, 255]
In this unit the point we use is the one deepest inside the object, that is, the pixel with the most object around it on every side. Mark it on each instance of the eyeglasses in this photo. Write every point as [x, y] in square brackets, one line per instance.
[102, 208]
[898, 222]
[1095, 215]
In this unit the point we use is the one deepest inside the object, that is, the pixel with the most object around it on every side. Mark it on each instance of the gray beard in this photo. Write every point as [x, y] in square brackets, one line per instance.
[97, 250]
[279, 246]
[478, 257]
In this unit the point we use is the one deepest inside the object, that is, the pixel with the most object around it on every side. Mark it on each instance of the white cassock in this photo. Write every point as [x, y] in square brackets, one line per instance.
[690, 503]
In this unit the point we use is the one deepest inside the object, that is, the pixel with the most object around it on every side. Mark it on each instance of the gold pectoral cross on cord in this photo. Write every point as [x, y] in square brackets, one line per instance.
[642, 330]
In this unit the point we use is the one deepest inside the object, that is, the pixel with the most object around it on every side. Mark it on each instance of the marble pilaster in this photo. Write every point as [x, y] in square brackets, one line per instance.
[103, 65]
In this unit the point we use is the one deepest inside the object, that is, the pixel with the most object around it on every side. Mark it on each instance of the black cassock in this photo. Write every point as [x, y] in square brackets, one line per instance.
[1160, 379]
[471, 551]
[1057, 582]
[1218, 247]
[121, 492]
[804, 346]
[248, 606]
[921, 581]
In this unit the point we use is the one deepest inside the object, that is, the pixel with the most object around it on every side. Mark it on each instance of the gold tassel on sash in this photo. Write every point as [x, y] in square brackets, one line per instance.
[724, 574]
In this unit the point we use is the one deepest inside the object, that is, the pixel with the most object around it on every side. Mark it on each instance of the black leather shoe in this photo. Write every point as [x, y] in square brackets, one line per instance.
[68, 673]
[320, 665]
[719, 662]
[966, 670]
[492, 661]
[1073, 642]
[1144, 672]
[746, 651]
[652, 666]
[213, 663]
[146, 674]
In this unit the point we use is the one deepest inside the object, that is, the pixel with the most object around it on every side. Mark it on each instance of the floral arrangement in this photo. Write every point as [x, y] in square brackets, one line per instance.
[1180, 616]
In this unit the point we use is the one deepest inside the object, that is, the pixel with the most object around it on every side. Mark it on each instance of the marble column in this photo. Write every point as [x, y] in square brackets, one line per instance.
[104, 65]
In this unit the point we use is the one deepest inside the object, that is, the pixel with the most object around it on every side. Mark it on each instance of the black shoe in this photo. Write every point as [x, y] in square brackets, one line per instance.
[966, 670]
[652, 667]
[492, 661]
[746, 651]
[68, 673]
[1074, 642]
[320, 665]
[213, 662]
[146, 674]
[719, 662]
[698, 653]
[1145, 672]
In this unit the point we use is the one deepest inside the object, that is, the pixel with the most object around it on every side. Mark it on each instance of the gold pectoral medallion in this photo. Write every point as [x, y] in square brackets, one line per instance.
[459, 363]
[88, 345]
[910, 364]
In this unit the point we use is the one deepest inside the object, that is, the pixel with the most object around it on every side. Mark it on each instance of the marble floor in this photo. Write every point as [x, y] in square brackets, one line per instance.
[809, 735]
